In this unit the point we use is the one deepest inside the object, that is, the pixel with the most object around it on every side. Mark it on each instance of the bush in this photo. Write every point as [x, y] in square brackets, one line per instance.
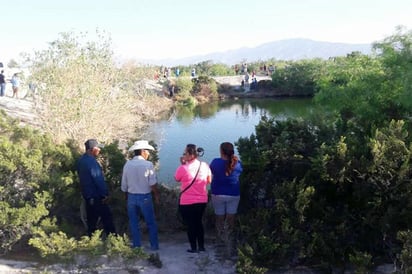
[184, 89]
[58, 245]
[30, 183]
[298, 78]
[405, 256]
[205, 89]
[81, 91]
[315, 198]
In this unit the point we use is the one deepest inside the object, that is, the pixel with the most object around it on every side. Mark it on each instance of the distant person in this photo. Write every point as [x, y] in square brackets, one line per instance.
[225, 188]
[254, 84]
[94, 189]
[15, 84]
[2, 84]
[177, 71]
[139, 182]
[247, 79]
[33, 87]
[194, 176]
[271, 69]
[244, 68]
[193, 72]
[171, 91]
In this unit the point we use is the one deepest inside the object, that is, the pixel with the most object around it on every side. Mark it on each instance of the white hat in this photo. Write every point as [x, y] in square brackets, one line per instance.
[142, 144]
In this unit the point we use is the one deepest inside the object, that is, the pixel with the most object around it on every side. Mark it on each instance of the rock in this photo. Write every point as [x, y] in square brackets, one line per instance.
[20, 109]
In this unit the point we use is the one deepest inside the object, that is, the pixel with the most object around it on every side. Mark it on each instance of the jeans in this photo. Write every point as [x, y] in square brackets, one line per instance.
[2, 89]
[142, 203]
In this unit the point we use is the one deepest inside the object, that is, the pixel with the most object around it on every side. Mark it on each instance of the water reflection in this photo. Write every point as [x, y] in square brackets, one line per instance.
[210, 124]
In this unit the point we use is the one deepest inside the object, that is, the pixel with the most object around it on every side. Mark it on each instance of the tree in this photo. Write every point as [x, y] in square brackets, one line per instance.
[395, 52]
[83, 93]
[13, 64]
[298, 77]
[370, 90]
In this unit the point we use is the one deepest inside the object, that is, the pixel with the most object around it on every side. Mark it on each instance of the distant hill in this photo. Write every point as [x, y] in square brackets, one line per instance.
[290, 49]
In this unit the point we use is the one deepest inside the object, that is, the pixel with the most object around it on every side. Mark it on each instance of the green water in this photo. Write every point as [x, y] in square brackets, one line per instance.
[210, 124]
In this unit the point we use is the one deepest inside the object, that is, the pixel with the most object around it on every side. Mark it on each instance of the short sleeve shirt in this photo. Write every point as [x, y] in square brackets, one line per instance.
[185, 173]
[138, 176]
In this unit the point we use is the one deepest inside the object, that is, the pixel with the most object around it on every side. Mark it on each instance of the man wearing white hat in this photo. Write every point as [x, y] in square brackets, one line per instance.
[138, 182]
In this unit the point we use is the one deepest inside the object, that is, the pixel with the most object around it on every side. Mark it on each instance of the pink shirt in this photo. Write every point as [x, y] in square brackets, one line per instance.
[197, 193]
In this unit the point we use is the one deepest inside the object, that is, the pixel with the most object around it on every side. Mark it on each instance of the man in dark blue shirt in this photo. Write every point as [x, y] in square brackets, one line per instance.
[94, 189]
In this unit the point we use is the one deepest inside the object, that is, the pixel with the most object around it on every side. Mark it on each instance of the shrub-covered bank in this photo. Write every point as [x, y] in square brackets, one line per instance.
[333, 191]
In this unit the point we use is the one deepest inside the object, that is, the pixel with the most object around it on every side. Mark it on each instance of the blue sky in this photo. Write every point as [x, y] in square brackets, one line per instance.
[180, 28]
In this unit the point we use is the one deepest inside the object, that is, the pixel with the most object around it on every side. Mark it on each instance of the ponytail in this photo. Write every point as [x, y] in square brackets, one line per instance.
[231, 165]
[228, 150]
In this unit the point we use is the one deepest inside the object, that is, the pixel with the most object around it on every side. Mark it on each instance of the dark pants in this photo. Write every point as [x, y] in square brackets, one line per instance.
[192, 215]
[96, 209]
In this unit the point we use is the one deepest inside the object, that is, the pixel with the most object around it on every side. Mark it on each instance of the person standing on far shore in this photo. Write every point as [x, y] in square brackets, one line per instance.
[2, 84]
[15, 83]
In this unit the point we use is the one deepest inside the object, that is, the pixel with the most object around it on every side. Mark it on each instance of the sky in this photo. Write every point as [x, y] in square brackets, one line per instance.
[159, 29]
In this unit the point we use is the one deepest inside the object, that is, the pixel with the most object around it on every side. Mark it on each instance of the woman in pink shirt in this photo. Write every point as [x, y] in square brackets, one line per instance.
[193, 198]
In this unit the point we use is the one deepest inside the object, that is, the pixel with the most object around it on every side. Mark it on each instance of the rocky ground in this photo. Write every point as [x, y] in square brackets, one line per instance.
[21, 109]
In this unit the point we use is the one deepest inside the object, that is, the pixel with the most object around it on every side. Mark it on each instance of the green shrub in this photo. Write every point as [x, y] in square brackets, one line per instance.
[362, 261]
[16, 222]
[405, 256]
[58, 245]
[184, 89]
[245, 265]
[314, 195]
[118, 245]
[55, 244]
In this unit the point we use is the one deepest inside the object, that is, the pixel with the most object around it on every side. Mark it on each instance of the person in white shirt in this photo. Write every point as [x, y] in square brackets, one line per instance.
[138, 182]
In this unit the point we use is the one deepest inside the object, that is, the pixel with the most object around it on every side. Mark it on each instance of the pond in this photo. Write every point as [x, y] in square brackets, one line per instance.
[210, 124]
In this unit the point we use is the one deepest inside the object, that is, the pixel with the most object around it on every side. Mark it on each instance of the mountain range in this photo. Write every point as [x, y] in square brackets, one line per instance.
[289, 49]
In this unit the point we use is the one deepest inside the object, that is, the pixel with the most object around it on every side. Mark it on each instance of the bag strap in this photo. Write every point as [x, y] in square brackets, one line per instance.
[194, 178]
